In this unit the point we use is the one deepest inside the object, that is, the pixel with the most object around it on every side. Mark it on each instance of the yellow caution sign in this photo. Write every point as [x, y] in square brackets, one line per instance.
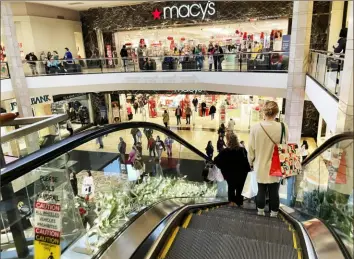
[45, 250]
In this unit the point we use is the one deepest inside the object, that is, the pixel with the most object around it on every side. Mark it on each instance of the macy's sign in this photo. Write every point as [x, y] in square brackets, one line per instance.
[186, 11]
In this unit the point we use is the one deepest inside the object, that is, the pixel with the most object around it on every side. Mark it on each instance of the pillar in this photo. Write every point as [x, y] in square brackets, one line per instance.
[335, 23]
[299, 49]
[18, 80]
[345, 111]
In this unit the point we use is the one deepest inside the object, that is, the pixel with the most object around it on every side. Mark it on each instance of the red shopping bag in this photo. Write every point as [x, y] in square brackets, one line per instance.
[275, 168]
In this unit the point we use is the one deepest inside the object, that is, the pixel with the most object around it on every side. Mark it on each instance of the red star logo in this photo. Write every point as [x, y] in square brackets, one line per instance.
[156, 14]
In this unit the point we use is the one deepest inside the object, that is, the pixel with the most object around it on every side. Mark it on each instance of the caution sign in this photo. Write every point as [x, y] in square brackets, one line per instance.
[47, 230]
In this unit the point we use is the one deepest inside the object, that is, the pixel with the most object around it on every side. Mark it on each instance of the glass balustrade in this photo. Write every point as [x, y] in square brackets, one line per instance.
[325, 190]
[327, 69]
[98, 188]
[236, 62]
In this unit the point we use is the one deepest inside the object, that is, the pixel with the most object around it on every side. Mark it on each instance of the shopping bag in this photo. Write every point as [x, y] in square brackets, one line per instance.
[222, 189]
[250, 188]
[341, 177]
[286, 157]
[215, 174]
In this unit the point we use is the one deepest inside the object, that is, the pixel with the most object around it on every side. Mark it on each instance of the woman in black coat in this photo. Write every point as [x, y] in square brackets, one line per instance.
[212, 111]
[234, 166]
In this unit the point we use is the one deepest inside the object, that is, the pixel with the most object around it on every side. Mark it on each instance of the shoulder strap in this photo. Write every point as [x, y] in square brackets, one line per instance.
[282, 133]
[267, 134]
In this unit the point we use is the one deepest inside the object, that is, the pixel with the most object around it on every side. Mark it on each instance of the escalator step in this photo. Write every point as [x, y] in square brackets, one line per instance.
[193, 243]
[242, 216]
[247, 229]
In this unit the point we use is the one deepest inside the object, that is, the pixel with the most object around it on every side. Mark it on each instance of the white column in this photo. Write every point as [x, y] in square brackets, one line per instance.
[335, 23]
[299, 49]
[18, 80]
[345, 112]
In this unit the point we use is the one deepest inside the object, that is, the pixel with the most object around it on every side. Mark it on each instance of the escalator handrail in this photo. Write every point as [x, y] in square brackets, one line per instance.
[19, 168]
[326, 145]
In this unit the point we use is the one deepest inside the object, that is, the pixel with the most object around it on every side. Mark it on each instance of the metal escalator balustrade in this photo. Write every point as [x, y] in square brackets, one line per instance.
[227, 232]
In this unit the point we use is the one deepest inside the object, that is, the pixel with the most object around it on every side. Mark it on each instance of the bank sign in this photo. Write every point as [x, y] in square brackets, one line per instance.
[198, 11]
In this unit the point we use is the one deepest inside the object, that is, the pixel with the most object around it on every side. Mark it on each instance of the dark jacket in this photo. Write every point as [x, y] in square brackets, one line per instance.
[31, 57]
[122, 147]
[209, 150]
[342, 42]
[220, 145]
[212, 110]
[180, 111]
[233, 163]
[195, 101]
[123, 53]
[203, 105]
[221, 131]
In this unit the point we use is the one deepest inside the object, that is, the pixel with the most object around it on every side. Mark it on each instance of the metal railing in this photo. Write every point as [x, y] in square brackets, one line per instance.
[327, 69]
[238, 62]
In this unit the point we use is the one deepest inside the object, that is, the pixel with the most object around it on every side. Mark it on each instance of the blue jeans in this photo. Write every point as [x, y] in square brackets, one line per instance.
[199, 62]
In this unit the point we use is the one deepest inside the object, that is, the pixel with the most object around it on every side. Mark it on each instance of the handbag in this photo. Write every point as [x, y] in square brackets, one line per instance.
[285, 158]
[215, 174]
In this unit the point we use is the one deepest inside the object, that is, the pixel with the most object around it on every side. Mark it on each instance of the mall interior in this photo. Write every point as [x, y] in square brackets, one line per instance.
[176, 129]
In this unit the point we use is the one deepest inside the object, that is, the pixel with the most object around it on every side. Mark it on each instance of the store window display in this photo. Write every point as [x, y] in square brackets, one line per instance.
[77, 108]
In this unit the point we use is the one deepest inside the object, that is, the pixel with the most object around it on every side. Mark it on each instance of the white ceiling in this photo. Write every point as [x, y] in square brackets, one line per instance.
[85, 5]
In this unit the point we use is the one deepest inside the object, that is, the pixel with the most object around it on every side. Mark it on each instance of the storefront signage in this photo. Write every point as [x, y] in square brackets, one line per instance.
[186, 11]
[47, 221]
[34, 100]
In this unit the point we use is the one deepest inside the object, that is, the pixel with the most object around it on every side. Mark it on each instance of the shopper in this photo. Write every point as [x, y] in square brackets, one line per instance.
[69, 127]
[139, 147]
[209, 150]
[139, 135]
[199, 57]
[203, 105]
[124, 56]
[222, 130]
[304, 150]
[73, 182]
[122, 149]
[188, 115]
[99, 141]
[148, 133]
[68, 56]
[178, 114]
[151, 146]
[231, 125]
[157, 168]
[136, 106]
[31, 60]
[210, 56]
[212, 111]
[168, 143]
[88, 185]
[166, 118]
[220, 145]
[134, 131]
[234, 166]
[342, 42]
[160, 146]
[195, 103]
[218, 58]
[260, 150]
[132, 155]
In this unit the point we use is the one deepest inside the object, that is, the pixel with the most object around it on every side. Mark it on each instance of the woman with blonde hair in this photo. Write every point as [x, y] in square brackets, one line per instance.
[261, 142]
[233, 163]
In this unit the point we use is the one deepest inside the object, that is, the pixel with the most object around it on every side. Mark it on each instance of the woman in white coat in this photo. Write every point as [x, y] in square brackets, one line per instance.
[260, 152]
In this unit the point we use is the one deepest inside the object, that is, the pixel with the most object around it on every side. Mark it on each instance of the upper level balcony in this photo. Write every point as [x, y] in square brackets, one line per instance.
[262, 73]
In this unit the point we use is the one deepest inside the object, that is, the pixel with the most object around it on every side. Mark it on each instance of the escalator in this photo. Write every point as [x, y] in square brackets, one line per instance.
[169, 212]
[229, 232]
